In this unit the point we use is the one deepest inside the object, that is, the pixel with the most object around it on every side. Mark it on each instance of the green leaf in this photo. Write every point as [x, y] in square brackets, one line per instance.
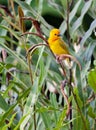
[44, 71]
[7, 66]
[10, 30]
[89, 51]
[78, 22]
[55, 105]
[5, 115]
[78, 98]
[9, 39]
[31, 101]
[78, 91]
[20, 122]
[91, 113]
[95, 63]
[39, 58]
[1, 69]
[63, 26]
[92, 79]
[11, 52]
[47, 120]
[3, 104]
[4, 67]
[3, 31]
[88, 33]
[61, 118]
[10, 122]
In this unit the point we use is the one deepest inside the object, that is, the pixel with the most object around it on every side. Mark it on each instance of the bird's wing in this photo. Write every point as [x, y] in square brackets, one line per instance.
[63, 45]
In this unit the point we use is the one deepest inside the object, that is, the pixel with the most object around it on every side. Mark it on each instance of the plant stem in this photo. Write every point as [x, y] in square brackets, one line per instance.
[82, 117]
[67, 21]
[34, 116]
[31, 76]
[70, 71]
[70, 92]
[63, 84]
[30, 70]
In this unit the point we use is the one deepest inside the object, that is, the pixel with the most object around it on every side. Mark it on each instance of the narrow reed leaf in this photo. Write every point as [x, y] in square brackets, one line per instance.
[78, 22]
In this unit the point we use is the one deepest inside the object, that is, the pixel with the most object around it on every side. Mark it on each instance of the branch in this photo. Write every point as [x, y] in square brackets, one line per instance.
[36, 34]
[63, 84]
[68, 38]
[6, 10]
[64, 56]
[67, 21]
[34, 47]
[35, 23]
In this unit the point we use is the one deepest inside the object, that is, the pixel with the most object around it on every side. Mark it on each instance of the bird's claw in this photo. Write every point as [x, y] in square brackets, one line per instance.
[58, 59]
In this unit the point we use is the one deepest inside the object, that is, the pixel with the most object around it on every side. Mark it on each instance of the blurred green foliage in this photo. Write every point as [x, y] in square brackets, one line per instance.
[30, 94]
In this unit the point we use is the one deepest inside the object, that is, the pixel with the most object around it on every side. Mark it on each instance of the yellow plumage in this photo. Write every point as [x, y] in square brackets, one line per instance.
[56, 44]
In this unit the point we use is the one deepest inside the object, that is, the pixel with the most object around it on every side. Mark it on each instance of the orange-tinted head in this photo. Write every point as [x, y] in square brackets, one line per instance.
[54, 34]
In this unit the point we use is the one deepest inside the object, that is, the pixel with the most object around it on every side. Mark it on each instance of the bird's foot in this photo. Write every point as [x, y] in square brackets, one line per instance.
[58, 58]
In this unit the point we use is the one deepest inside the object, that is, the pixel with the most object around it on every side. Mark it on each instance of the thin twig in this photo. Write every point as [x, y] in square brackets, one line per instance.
[30, 70]
[34, 116]
[34, 47]
[64, 72]
[70, 93]
[65, 97]
[35, 23]
[70, 77]
[67, 21]
[64, 56]
[36, 34]
[6, 10]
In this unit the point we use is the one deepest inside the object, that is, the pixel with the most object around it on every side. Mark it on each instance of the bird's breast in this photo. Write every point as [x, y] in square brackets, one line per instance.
[57, 48]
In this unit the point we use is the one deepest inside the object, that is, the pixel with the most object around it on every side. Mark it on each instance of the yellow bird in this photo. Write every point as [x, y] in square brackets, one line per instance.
[59, 47]
[56, 44]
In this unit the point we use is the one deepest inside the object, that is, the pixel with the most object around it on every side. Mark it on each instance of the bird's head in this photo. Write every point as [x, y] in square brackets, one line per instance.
[54, 34]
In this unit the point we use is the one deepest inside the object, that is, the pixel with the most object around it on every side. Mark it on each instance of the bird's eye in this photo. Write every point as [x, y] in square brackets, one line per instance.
[55, 34]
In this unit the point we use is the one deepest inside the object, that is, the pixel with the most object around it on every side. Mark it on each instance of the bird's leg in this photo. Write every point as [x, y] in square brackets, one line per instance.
[58, 58]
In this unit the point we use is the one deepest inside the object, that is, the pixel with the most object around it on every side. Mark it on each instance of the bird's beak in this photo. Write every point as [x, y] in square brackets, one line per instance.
[59, 35]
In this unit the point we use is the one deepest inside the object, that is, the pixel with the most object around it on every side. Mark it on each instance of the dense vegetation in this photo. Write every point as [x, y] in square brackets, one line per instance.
[34, 92]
